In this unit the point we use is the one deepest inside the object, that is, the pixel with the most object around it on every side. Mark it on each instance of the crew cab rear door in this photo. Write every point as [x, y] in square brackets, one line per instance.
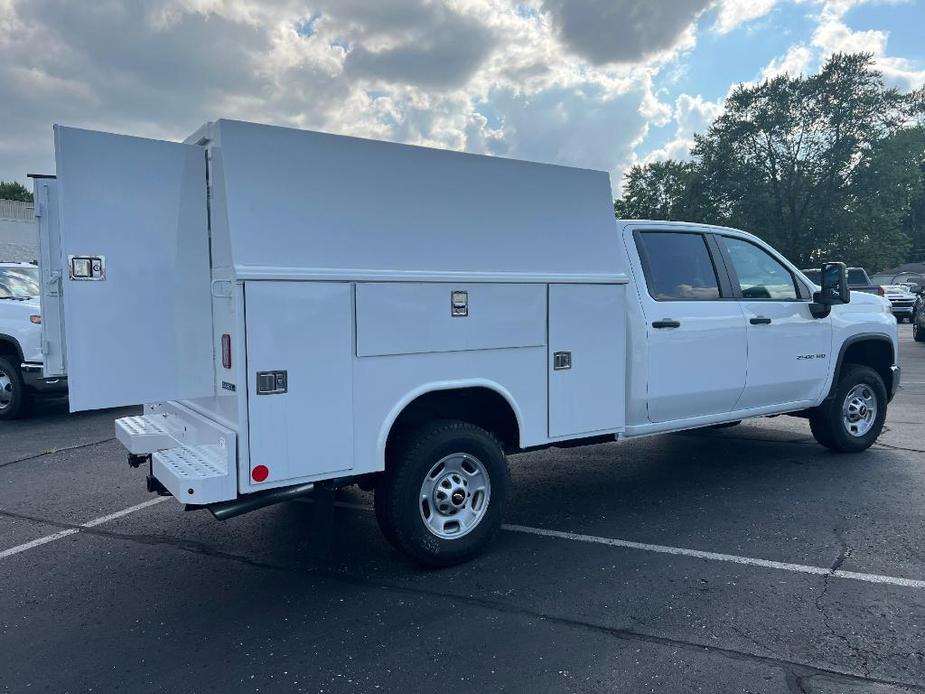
[128, 269]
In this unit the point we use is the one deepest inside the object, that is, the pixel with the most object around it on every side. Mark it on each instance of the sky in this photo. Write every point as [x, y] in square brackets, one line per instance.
[600, 84]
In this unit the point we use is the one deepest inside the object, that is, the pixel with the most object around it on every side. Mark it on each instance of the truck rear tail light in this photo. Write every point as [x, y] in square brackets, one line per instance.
[880, 291]
[226, 351]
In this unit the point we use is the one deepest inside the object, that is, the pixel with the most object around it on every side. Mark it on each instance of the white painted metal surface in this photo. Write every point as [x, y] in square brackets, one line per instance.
[305, 329]
[54, 339]
[406, 318]
[788, 357]
[144, 332]
[588, 323]
[308, 204]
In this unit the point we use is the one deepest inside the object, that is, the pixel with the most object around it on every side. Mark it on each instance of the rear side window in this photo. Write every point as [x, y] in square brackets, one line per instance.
[761, 275]
[677, 266]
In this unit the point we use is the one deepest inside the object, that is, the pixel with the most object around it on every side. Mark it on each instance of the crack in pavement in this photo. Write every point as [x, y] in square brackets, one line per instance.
[803, 671]
[844, 553]
[52, 451]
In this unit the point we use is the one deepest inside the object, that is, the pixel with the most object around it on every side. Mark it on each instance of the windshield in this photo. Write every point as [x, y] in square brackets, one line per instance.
[857, 277]
[19, 282]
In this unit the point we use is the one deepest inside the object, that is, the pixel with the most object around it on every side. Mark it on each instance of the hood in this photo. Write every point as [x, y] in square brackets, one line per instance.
[864, 298]
[27, 306]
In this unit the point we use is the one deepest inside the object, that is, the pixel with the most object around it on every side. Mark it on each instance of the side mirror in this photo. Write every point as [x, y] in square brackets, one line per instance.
[834, 281]
[835, 284]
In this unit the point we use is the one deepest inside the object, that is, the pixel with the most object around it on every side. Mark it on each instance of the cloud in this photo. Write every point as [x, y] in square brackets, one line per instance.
[623, 31]
[733, 13]
[832, 35]
[442, 54]
[692, 115]
[795, 62]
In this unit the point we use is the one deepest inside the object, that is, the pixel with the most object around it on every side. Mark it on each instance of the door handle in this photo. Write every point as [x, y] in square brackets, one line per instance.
[760, 320]
[666, 323]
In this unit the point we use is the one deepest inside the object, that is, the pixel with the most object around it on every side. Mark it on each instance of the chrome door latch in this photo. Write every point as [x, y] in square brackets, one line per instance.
[459, 303]
[86, 267]
[272, 382]
[561, 360]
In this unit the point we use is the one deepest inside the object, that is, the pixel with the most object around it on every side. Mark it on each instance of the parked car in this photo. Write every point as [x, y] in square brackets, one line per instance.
[858, 280]
[21, 376]
[918, 318]
[300, 312]
[902, 300]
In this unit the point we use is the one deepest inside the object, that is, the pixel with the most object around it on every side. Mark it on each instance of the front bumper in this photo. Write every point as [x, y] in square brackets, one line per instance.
[34, 380]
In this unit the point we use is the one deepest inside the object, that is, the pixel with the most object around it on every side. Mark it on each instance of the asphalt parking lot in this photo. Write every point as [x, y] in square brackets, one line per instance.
[740, 560]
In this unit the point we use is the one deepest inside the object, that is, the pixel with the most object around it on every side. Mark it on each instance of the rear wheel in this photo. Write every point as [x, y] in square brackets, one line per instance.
[852, 419]
[917, 333]
[13, 399]
[443, 495]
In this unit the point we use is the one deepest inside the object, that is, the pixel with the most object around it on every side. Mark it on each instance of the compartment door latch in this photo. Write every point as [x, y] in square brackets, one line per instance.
[272, 382]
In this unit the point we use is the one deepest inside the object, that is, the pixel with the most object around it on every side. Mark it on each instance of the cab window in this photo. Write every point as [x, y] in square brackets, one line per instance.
[677, 266]
[760, 275]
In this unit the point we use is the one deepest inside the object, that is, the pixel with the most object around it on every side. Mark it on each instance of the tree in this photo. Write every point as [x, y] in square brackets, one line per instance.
[14, 191]
[660, 190]
[823, 167]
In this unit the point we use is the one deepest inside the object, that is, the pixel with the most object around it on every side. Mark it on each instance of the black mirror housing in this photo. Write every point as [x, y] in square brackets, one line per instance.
[834, 280]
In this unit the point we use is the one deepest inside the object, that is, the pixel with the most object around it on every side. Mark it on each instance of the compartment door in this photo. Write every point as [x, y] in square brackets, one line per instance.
[587, 359]
[299, 381]
[133, 262]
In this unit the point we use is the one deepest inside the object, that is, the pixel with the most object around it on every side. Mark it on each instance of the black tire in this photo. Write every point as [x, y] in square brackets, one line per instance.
[11, 382]
[827, 421]
[398, 494]
[917, 333]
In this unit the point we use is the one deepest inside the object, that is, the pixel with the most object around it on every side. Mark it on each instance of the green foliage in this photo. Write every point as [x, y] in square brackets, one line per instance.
[828, 166]
[14, 191]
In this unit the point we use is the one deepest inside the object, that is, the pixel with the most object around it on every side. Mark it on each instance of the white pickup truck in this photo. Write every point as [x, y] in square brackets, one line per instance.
[21, 377]
[302, 311]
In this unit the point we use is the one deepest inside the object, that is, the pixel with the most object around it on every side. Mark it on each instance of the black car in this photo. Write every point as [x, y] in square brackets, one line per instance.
[918, 318]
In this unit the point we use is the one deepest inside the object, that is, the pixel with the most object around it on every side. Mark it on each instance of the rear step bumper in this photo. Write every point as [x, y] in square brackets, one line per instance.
[191, 455]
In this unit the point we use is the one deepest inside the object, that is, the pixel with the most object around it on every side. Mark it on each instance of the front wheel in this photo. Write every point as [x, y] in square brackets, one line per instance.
[917, 333]
[851, 420]
[442, 497]
[13, 399]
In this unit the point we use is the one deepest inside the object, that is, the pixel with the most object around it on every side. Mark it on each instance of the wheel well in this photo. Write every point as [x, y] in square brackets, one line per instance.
[483, 407]
[9, 348]
[875, 353]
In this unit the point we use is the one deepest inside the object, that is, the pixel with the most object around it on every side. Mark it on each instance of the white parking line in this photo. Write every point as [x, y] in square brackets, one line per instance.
[714, 556]
[695, 553]
[71, 531]
[556, 534]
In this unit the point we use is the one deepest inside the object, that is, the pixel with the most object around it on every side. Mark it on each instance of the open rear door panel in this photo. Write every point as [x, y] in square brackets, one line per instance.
[134, 266]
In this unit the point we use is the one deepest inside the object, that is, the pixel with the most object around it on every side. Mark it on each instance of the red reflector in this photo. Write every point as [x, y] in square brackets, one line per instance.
[260, 473]
[226, 351]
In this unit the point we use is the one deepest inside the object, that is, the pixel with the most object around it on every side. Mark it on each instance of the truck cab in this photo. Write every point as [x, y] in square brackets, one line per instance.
[21, 361]
[297, 311]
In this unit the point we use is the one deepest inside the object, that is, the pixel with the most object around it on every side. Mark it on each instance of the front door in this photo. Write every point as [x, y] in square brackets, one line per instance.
[695, 330]
[788, 349]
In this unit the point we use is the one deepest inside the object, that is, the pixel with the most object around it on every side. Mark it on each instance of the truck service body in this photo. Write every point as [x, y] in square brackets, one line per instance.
[300, 309]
